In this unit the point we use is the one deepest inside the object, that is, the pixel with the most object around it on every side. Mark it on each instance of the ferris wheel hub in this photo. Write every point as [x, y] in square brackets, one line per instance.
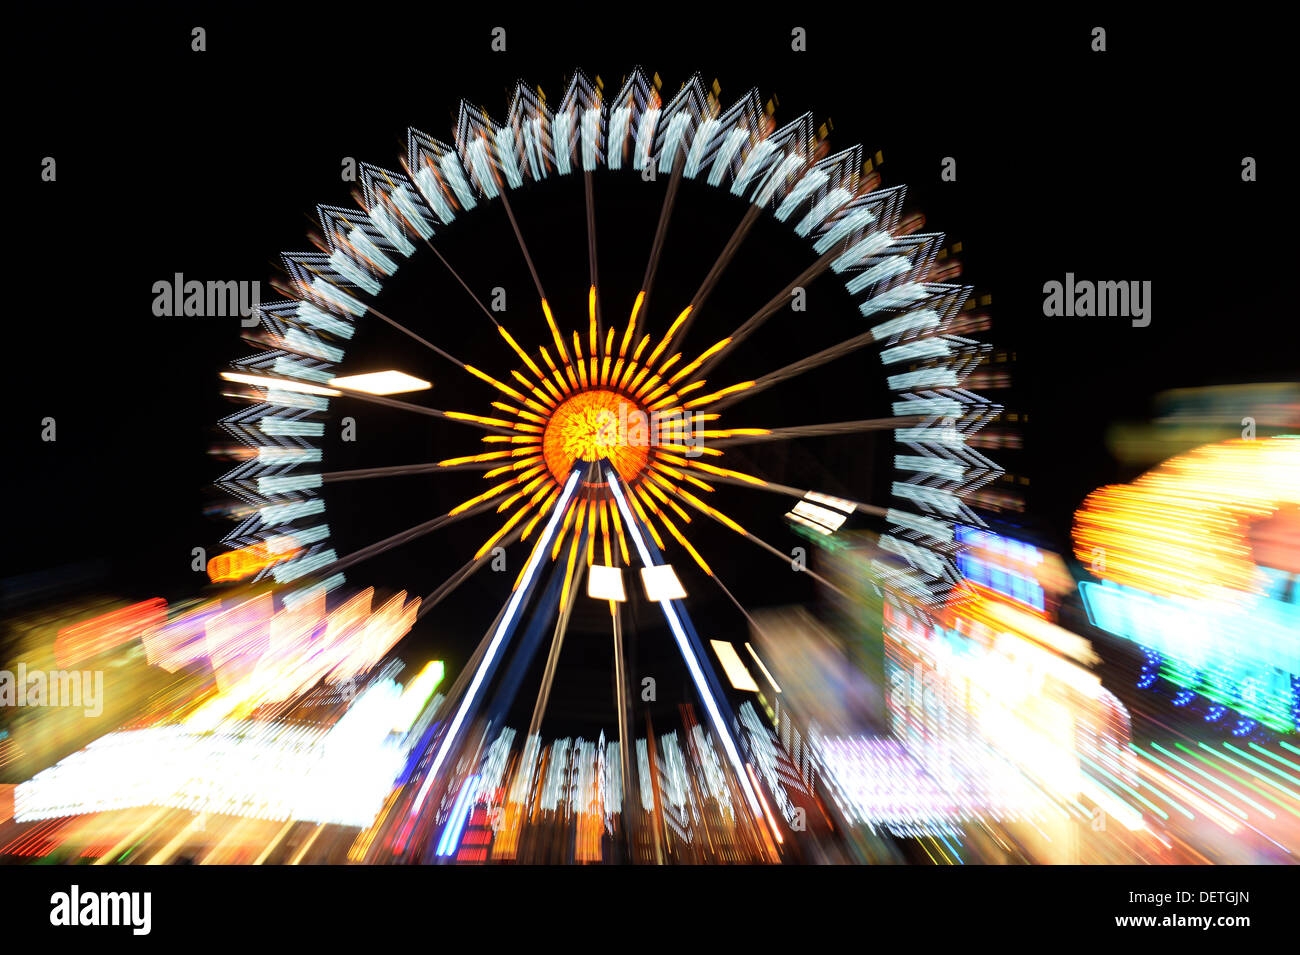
[597, 425]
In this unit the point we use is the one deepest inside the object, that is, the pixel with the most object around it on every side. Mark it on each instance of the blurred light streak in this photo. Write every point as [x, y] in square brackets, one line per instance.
[1180, 529]
[759, 663]
[456, 820]
[507, 623]
[733, 667]
[1198, 561]
[89, 638]
[260, 770]
[244, 562]
[692, 664]
[381, 383]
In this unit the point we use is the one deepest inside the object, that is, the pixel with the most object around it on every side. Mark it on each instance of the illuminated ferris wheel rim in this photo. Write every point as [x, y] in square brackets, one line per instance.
[827, 199]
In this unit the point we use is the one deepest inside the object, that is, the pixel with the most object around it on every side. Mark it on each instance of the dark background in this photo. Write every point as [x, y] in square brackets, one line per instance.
[1122, 165]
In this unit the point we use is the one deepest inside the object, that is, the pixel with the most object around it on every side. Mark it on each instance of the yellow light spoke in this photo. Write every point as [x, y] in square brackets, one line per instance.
[677, 535]
[495, 422]
[687, 389]
[486, 456]
[667, 366]
[609, 347]
[528, 529]
[657, 392]
[670, 400]
[502, 386]
[699, 505]
[536, 544]
[672, 330]
[564, 529]
[631, 322]
[505, 529]
[631, 369]
[650, 383]
[729, 390]
[604, 530]
[645, 519]
[731, 432]
[555, 332]
[654, 489]
[645, 340]
[512, 439]
[549, 400]
[724, 472]
[704, 356]
[682, 475]
[534, 465]
[532, 365]
[573, 554]
[522, 492]
[485, 496]
[555, 373]
[618, 529]
[681, 539]
[687, 449]
[502, 406]
[582, 365]
[636, 382]
[591, 534]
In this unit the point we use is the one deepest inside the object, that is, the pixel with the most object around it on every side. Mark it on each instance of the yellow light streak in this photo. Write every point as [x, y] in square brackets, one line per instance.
[668, 337]
[707, 399]
[555, 332]
[704, 356]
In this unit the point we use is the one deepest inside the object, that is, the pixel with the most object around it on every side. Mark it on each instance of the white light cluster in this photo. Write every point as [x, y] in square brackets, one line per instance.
[880, 783]
[274, 771]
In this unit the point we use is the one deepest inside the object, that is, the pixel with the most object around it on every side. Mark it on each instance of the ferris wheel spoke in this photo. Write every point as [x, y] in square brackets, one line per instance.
[496, 539]
[509, 339]
[463, 284]
[471, 567]
[401, 470]
[523, 246]
[724, 259]
[787, 490]
[661, 232]
[595, 317]
[562, 351]
[500, 631]
[404, 537]
[777, 303]
[796, 368]
[423, 341]
[568, 597]
[306, 294]
[755, 539]
[739, 606]
[496, 426]
[730, 438]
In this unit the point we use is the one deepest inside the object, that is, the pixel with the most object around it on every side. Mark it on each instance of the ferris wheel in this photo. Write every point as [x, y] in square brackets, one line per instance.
[607, 435]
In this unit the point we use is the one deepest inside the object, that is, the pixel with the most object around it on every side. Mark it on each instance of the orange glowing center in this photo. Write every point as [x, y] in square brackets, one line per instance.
[594, 426]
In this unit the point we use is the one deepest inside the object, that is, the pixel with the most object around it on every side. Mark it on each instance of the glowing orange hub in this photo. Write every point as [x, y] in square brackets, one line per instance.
[592, 426]
[602, 405]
